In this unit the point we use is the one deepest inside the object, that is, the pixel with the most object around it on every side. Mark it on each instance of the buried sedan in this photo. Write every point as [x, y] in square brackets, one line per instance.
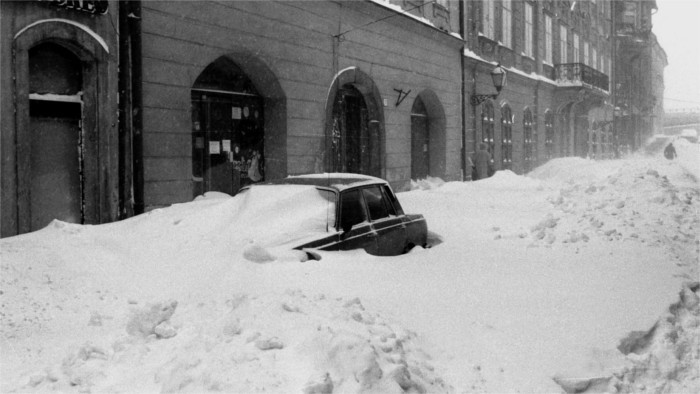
[347, 211]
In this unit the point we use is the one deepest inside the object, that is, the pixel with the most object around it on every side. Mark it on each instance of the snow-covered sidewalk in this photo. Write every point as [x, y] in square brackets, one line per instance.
[536, 287]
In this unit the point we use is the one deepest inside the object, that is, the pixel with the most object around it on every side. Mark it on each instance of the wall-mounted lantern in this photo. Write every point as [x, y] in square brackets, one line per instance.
[499, 78]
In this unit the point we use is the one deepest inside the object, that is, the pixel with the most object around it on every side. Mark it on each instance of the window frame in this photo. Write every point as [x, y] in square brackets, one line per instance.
[507, 23]
[577, 48]
[489, 19]
[529, 30]
[548, 40]
[563, 44]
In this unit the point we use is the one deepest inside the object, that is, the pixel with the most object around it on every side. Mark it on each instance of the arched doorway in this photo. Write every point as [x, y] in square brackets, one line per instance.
[57, 149]
[354, 125]
[420, 141]
[428, 141]
[564, 118]
[228, 129]
[351, 140]
[582, 135]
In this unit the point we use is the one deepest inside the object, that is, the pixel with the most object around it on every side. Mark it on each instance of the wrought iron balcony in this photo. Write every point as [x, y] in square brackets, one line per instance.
[579, 74]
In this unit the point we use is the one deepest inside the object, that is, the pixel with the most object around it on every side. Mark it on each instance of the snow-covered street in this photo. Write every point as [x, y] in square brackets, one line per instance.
[536, 286]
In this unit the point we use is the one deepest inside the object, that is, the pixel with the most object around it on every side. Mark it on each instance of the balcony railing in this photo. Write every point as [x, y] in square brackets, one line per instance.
[578, 74]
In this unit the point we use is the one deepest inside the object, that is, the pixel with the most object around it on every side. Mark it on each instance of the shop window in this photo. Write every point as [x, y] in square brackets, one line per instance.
[227, 130]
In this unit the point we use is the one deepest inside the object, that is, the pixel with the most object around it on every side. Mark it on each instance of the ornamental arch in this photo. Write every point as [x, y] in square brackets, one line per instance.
[66, 150]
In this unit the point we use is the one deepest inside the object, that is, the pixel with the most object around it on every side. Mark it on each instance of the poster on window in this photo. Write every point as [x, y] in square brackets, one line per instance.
[214, 147]
[226, 145]
[235, 112]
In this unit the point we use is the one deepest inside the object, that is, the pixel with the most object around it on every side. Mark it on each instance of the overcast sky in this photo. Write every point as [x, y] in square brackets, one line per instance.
[677, 26]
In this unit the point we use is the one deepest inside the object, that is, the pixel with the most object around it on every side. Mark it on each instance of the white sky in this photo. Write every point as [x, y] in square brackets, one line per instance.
[677, 26]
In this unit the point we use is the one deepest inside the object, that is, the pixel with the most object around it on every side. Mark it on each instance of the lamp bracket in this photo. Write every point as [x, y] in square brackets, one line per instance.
[477, 99]
[402, 95]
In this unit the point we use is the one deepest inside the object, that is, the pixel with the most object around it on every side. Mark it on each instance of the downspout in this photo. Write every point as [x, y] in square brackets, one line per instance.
[126, 198]
[137, 104]
[466, 172]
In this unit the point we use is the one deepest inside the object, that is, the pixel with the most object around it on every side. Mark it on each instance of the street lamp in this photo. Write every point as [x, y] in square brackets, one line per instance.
[498, 76]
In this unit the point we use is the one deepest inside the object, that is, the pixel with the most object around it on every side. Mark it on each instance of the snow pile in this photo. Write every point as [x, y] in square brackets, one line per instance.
[594, 206]
[666, 358]
[537, 277]
[426, 183]
[244, 344]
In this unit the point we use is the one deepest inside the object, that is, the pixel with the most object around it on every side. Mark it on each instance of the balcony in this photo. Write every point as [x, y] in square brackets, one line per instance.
[579, 74]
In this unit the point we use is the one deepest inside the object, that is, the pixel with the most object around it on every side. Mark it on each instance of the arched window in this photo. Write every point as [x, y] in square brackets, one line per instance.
[528, 141]
[507, 137]
[487, 125]
[548, 134]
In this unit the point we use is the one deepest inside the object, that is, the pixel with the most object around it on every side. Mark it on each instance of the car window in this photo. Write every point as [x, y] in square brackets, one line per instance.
[352, 209]
[395, 207]
[375, 203]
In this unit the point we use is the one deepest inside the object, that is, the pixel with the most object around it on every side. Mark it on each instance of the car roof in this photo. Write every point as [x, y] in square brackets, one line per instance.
[338, 181]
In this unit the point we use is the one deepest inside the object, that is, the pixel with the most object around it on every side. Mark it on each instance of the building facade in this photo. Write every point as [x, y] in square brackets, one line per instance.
[557, 55]
[638, 73]
[112, 108]
[60, 136]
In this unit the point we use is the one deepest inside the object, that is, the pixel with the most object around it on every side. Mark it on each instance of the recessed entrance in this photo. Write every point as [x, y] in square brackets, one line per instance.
[420, 141]
[56, 185]
[227, 130]
[352, 144]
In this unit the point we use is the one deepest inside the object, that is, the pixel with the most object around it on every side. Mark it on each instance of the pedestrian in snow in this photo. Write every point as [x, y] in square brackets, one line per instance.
[670, 151]
[482, 162]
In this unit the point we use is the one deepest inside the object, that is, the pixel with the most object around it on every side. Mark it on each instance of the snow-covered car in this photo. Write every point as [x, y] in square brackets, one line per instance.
[361, 212]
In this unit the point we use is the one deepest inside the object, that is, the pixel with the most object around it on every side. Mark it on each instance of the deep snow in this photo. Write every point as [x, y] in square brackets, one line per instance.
[570, 277]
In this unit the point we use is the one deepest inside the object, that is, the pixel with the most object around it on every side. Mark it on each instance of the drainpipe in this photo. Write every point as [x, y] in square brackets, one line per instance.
[466, 172]
[126, 200]
[137, 104]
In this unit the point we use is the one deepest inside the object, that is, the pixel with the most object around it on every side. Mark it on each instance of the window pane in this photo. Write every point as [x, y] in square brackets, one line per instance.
[375, 203]
[352, 209]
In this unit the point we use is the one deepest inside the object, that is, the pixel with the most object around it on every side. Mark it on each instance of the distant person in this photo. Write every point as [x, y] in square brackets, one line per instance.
[670, 151]
[482, 162]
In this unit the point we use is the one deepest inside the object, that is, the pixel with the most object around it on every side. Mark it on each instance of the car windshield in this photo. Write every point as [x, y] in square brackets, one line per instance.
[299, 207]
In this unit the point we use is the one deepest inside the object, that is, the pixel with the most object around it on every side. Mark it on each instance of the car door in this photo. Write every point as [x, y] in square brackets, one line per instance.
[390, 229]
[356, 231]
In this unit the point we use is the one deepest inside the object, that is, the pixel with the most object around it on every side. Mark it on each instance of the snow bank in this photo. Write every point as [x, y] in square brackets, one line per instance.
[248, 343]
[538, 277]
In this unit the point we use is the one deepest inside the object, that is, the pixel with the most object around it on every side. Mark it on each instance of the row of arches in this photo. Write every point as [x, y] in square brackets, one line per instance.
[237, 140]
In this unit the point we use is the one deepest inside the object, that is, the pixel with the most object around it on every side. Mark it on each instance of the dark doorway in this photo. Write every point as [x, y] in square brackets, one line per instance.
[420, 141]
[228, 135]
[56, 185]
[351, 145]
